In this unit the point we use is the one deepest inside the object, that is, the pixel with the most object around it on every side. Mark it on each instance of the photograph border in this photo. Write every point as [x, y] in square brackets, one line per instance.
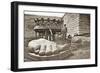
[14, 35]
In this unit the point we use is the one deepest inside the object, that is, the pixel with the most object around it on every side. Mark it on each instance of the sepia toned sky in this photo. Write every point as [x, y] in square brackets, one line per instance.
[45, 13]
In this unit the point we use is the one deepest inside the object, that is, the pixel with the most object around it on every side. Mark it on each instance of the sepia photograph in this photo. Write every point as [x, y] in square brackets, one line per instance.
[56, 36]
[52, 36]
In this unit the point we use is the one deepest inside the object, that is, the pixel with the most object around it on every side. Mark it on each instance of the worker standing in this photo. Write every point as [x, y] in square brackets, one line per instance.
[64, 32]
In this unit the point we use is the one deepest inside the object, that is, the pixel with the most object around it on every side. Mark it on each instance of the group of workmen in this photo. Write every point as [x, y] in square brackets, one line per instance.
[51, 35]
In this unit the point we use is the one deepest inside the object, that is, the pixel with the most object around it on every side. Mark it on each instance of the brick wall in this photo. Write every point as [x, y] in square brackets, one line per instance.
[77, 23]
[72, 22]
